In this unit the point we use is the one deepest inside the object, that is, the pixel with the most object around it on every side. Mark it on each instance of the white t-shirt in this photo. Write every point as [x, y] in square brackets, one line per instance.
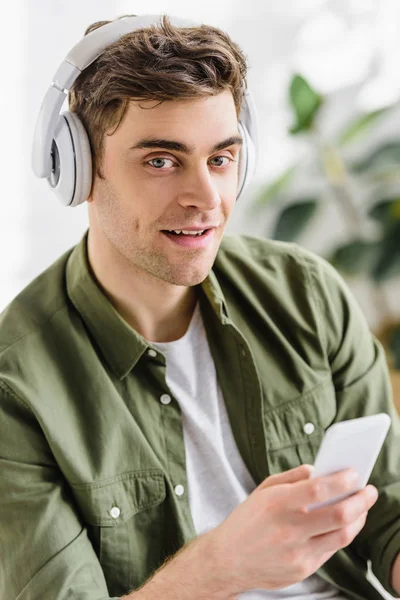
[218, 479]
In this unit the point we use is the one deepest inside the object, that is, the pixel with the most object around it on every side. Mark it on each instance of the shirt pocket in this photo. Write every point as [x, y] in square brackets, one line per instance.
[124, 516]
[294, 430]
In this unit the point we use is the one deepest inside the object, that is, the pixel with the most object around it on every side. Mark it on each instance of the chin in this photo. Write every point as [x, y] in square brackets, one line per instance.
[183, 272]
[186, 279]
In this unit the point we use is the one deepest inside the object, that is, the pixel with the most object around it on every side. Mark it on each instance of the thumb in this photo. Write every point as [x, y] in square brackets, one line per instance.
[291, 476]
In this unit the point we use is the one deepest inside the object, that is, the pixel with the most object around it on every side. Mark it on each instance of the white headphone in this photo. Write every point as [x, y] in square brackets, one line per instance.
[61, 149]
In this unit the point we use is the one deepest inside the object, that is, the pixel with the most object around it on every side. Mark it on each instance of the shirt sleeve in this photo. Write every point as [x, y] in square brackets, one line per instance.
[361, 379]
[44, 547]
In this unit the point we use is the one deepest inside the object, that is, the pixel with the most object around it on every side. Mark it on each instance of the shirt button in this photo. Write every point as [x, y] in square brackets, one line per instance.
[165, 399]
[309, 428]
[179, 490]
[115, 512]
[151, 353]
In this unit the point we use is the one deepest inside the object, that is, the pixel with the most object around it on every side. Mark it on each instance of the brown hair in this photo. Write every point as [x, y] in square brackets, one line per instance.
[155, 63]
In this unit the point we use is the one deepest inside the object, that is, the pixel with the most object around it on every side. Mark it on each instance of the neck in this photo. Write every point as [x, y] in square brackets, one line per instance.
[156, 309]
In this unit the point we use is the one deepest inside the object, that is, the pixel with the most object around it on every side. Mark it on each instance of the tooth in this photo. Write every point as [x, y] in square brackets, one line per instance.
[185, 232]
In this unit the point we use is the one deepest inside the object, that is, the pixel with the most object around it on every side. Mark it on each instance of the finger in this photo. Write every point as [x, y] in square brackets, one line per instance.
[291, 476]
[339, 515]
[320, 489]
[335, 540]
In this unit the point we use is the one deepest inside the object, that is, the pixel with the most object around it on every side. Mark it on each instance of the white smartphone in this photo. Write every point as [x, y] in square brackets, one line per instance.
[356, 444]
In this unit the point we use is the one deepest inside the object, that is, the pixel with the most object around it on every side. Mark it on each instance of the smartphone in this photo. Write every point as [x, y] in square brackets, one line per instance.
[356, 444]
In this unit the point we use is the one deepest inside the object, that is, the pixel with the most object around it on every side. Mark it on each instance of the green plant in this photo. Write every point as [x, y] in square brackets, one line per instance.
[373, 229]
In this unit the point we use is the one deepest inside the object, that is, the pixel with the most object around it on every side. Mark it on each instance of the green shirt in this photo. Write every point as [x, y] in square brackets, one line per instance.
[90, 456]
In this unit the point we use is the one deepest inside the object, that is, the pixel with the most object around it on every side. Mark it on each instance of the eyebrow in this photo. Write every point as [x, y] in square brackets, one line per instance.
[180, 147]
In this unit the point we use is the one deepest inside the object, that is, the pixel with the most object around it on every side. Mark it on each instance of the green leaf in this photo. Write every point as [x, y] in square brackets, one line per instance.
[354, 258]
[387, 263]
[360, 126]
[383, 157]
[274, 189]
[305, 101]
[386, 210]
[394, 347]
[293, 220]
[390, 176]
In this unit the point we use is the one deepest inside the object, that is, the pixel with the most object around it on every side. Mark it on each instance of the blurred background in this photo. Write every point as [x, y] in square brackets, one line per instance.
[326, 81]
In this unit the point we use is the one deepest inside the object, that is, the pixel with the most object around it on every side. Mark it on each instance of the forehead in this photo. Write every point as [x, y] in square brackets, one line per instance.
[213, 116]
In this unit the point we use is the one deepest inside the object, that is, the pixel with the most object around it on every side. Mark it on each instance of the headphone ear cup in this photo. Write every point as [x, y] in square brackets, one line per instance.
[247, 160]
[71, 176]
[251, 158]
[248, 128]
[242, 161]
[83, 158]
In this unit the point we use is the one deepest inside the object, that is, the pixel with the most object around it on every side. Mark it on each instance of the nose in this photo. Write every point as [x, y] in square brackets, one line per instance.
[200, 190]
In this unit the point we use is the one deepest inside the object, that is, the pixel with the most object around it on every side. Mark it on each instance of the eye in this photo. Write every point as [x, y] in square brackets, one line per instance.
[221, 158]
[159, 163]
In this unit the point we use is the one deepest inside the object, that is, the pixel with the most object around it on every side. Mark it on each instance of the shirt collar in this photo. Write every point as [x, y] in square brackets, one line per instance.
[120, 344]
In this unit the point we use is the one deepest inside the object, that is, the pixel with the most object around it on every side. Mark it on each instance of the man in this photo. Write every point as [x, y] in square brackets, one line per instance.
[164, 390]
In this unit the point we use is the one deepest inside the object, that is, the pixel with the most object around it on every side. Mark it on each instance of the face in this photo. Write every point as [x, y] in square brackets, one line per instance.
[167, 168]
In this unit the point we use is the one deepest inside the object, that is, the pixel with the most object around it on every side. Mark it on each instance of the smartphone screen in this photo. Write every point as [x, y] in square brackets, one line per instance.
[356, 444]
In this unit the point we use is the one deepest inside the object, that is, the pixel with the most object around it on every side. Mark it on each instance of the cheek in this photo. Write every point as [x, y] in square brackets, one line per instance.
[137, 184]
[229, 190]
[111, 205]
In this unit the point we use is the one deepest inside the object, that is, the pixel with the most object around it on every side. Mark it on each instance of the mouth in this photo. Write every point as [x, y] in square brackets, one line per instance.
[190, 239]
[187, 232]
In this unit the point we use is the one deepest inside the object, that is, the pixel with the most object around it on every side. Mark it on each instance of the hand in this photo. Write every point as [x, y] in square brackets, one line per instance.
[271, 541]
